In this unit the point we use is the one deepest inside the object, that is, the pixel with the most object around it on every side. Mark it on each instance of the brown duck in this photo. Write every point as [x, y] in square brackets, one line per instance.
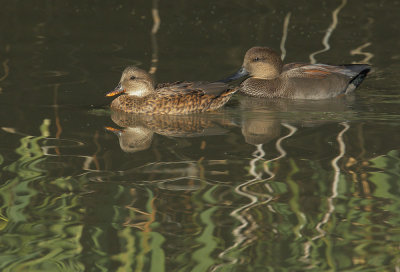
[167, 98]
[270, 78]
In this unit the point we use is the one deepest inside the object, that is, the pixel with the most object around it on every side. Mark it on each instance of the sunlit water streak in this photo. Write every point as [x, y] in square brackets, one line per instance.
[359, 51]
[5, 66]
[241, 213]
[237, 213]
[154, 30]
[330, 199]
[329, 31]
[281, 150]
[284, 35]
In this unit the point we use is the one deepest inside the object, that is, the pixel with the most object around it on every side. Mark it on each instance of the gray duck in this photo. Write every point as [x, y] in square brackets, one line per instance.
[270, 78]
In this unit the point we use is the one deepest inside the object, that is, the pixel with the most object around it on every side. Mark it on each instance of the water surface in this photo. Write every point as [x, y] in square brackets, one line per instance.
[261, 185]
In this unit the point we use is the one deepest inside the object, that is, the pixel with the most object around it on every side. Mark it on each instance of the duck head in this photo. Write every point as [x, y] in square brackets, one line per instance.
[135, 82]
[259, 62]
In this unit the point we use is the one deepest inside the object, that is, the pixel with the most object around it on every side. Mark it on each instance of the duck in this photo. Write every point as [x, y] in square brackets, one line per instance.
[268, 77]
[140, 95]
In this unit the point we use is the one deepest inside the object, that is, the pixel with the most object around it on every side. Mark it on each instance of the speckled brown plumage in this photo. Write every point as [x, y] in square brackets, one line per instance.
[176, 98]
[138, 129]
[188, 125]
[270, 78]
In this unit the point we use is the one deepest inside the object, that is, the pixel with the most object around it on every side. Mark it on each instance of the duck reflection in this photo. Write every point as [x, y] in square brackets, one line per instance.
[133, 139]
[261, 121]
[138, 129]
[261, 118]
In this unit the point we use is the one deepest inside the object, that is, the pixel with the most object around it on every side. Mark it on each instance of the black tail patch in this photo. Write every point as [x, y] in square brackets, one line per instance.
[362, 70]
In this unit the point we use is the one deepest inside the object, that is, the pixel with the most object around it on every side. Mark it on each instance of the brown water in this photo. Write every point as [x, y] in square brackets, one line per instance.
[262, 185]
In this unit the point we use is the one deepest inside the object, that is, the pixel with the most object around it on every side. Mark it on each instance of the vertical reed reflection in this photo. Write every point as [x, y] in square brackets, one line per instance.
[330, 199]
[241, 214]
[56, 115]
[328, 33]
[5, 67]
[284, 35]
[154, 45]
[243, 233]
[282, 154]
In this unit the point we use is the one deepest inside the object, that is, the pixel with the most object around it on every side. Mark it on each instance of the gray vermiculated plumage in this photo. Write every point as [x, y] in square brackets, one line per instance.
[270, 78]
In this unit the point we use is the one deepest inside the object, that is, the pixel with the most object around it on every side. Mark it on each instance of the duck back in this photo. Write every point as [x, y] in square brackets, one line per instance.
[178, 98]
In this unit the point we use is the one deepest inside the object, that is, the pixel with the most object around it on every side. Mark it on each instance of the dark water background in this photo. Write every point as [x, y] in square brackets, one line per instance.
[261, 185]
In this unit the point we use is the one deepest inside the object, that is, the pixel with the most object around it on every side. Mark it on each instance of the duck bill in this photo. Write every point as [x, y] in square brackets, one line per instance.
[242, 72]
[114, 130]
[116, 91]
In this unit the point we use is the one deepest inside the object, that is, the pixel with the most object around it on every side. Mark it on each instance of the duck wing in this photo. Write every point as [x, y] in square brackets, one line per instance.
[318, 81]
[304, 70]
[168, 84]
[199, 87]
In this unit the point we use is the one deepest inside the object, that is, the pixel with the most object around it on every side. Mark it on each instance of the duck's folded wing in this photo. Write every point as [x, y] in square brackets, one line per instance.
[168, 84]
[324, 70]
[199, 87]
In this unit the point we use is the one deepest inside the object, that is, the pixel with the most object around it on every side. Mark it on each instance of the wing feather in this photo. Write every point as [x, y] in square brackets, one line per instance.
[199, 87]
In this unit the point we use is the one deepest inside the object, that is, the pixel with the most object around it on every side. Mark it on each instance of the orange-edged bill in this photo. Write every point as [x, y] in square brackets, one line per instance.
[116, 91]
[114, 130]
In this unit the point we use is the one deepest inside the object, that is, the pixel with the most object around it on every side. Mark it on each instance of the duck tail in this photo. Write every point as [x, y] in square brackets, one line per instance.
[222, 99]
[358, 68]
[229, 92]
[360, 71]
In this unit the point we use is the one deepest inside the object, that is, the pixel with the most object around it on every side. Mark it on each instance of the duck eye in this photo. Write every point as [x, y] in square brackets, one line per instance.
[256, 59]
[132, 77]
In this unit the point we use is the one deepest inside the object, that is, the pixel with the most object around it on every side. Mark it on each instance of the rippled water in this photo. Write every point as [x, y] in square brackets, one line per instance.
[261, 185]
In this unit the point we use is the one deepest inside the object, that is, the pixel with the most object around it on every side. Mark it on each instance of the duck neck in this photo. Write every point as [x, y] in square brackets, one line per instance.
[272, 72]
[140, 93]
[141, 89]
[257, 87]
[266, 72]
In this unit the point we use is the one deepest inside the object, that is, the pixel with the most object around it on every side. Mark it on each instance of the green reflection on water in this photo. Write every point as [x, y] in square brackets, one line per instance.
[26, 243]
[43, 230]
[294, 202]
[187, 213]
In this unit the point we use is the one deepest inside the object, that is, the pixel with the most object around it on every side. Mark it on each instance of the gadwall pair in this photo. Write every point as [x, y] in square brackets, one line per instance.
[269, 78]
